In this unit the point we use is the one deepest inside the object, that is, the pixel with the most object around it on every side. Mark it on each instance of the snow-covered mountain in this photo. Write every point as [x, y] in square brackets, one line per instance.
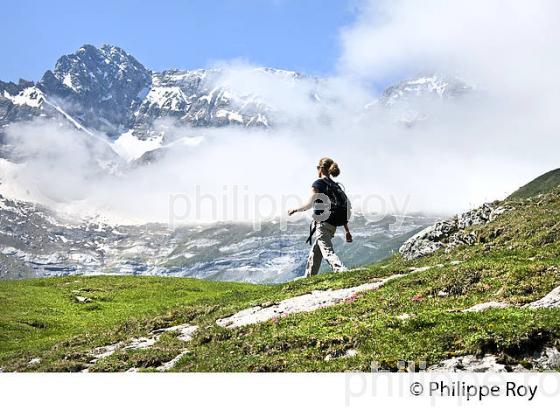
[105, 90]
[432, 85]
[190, 98]
[409, 102]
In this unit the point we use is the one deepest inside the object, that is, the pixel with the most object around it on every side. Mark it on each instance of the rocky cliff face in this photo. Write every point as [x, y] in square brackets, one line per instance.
[191, 98]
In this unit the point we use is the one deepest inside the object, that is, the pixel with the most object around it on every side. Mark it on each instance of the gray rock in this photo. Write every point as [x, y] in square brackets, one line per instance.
[470, 363]
[308, 302]
[547, 359]
[485, 306]
[34, 361]
[449, 233]
[551, 300]
[186, 332]
[170, 364]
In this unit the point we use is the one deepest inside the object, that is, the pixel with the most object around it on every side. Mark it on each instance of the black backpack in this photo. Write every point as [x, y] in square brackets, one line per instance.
[341, 208]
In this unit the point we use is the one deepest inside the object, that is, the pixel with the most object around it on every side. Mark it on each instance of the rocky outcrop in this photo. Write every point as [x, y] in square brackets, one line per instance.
[450, 233]
[550, 300]
[546, 360]
[470, 363]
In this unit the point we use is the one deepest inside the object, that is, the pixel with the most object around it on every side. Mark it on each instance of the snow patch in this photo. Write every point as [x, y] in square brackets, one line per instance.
[230, 115]
[67, 81]
[130, 148]
[31, 96]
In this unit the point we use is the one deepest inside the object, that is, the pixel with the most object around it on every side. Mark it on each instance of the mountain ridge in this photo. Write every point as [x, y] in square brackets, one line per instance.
[106, 90]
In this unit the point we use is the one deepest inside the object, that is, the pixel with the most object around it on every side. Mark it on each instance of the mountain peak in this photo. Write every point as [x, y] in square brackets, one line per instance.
[98, 85]
[90, 64]
[426, 84]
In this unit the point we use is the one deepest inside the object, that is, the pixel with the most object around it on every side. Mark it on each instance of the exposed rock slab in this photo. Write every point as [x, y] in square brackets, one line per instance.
[304, 303]
[170, 364]
[486, 305]
[548, 359]
[551, 300]
[186, 332]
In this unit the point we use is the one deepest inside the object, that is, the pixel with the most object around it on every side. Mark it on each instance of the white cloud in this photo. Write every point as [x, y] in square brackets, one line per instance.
[498, 40]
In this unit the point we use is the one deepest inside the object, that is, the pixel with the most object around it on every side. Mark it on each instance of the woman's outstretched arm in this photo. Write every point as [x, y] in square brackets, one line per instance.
[307, 205]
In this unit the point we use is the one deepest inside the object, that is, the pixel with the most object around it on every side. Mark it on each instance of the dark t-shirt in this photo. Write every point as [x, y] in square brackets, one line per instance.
[321, 186]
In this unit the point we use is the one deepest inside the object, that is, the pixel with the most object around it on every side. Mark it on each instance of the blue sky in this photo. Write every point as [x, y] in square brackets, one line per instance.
[292, 34]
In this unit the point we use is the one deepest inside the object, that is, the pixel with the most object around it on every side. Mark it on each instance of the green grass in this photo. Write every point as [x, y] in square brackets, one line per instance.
[39, 314]
[540, 185]
[516, 259]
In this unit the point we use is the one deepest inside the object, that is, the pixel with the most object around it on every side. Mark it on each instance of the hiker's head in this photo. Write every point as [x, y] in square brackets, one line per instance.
[327, 167]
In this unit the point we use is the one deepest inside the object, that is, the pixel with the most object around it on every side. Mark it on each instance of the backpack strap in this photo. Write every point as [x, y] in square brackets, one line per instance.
[333, 185]
[312, 229]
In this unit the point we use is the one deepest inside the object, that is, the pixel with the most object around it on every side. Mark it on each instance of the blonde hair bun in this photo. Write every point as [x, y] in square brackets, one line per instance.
[334, 170]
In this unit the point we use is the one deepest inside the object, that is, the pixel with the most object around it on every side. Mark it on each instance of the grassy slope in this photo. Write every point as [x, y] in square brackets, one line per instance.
[540, 185]
[516, 259]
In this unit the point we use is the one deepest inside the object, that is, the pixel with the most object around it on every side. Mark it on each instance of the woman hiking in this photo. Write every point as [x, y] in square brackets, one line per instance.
[331, 209]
